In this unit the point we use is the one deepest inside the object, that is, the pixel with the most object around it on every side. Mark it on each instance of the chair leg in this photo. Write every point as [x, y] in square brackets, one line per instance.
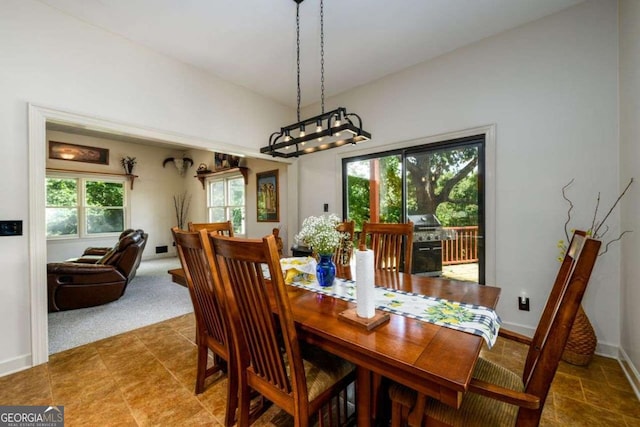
[417, 412]
[398, 414]
[232, 398]
[201, 374]
[244, 404]
[403, 415]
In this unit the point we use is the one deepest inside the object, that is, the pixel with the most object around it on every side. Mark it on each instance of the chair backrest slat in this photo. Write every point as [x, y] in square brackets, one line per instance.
[392, 245]
[258, 334]
[224, 228]
[196, 258]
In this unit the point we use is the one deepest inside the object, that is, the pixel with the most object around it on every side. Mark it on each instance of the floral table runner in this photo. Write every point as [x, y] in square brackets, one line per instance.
[474, 319]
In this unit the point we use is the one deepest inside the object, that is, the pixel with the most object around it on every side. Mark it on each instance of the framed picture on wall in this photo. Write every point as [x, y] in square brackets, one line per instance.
[78, 153]
[267, 196]
[223, 161]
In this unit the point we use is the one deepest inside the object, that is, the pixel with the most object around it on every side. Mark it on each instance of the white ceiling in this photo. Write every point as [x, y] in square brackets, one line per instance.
[252, 42]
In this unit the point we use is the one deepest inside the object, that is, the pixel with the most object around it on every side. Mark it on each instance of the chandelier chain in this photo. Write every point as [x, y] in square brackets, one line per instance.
[298, 52]
[322, 53]
[327, 124]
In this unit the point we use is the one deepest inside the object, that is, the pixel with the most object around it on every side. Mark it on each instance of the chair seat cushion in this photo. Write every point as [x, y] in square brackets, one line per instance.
[323, 369]
[476, 410]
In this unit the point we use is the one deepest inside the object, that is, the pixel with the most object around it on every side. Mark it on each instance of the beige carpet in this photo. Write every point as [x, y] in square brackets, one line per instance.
[151, 297]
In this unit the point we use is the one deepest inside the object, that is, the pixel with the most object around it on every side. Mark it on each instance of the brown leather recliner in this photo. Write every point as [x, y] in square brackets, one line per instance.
[103, 250]
[73, 285]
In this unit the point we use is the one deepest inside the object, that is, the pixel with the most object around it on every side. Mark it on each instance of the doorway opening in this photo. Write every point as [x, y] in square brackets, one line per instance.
[39, 119]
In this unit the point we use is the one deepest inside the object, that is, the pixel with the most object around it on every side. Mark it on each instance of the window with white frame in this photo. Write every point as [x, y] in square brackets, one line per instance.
[226, 202]
[80, 206]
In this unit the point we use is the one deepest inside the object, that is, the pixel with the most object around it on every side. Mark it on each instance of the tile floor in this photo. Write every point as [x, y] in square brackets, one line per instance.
[146, 377]
[596, 395]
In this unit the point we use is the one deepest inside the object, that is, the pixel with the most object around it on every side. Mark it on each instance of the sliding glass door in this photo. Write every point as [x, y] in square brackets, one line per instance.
[439, 187]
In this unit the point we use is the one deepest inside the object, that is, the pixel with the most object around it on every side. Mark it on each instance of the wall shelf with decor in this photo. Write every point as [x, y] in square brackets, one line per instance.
[244, 171]
[129, 176]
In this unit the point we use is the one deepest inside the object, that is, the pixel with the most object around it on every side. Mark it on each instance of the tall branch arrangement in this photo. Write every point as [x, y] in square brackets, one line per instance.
[598, 228]
[181, 203]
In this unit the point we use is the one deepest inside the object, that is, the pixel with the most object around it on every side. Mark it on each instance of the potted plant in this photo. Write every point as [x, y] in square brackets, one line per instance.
[320, 234]
[582, 342]
[128, 163]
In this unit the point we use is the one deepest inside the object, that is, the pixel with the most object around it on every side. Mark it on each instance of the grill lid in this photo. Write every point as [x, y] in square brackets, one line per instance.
[425, 220]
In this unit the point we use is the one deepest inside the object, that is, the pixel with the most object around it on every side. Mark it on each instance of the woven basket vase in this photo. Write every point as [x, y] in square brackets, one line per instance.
[582, 341]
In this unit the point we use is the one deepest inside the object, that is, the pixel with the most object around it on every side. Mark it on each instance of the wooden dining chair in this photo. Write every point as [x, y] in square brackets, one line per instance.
[212, 333]
[224, 228]
[300, 386]
[496, 395]
[392, 244]
[343, 253]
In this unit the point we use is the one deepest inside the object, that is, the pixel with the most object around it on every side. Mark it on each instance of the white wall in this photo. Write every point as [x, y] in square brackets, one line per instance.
[551, 89]
[48, 58]
[629, 15]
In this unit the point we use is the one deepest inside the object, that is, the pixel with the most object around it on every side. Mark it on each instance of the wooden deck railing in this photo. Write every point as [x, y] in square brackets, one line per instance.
[463, 249]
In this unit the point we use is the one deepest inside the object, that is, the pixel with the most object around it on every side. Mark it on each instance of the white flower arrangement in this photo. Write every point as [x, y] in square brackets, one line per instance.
[320, 234]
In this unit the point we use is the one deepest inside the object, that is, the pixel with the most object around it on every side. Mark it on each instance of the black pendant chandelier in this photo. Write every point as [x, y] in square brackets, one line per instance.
[331, 129]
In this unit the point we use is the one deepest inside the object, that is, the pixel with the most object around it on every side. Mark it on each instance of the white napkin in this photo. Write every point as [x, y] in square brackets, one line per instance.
[298, 268]
[365, 284]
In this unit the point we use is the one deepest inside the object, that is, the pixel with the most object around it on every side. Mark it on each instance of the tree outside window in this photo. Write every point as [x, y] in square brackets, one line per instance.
[104, 211]
[62, 207]
[226, 202]
[84, 207]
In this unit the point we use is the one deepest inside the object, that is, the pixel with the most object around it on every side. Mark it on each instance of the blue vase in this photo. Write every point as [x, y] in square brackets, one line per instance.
[325, 270]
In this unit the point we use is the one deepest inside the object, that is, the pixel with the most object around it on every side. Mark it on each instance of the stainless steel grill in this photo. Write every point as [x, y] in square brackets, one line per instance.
[428, 235]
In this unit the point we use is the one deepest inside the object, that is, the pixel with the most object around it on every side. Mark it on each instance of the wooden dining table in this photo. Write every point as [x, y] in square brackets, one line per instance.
[435, 360]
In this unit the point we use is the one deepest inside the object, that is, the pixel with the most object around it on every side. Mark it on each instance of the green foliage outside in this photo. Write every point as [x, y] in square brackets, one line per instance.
[460, 214]
[62, 212]
[104, 203]
[444, 182]
[237, 219]
[62, 192]
[100, 193]
[391, 189]
[106, 200]
[358, 200]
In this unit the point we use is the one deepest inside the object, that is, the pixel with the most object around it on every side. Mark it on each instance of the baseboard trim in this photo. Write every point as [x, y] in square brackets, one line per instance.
[607, 350]
[17, 364]
[630, 371]
[521, 329]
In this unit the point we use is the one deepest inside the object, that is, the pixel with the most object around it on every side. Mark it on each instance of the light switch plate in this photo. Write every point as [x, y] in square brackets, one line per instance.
[11, 228]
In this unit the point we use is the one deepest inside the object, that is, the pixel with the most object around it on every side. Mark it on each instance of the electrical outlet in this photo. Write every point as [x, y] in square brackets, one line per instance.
[326, 207]
[523, 303]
